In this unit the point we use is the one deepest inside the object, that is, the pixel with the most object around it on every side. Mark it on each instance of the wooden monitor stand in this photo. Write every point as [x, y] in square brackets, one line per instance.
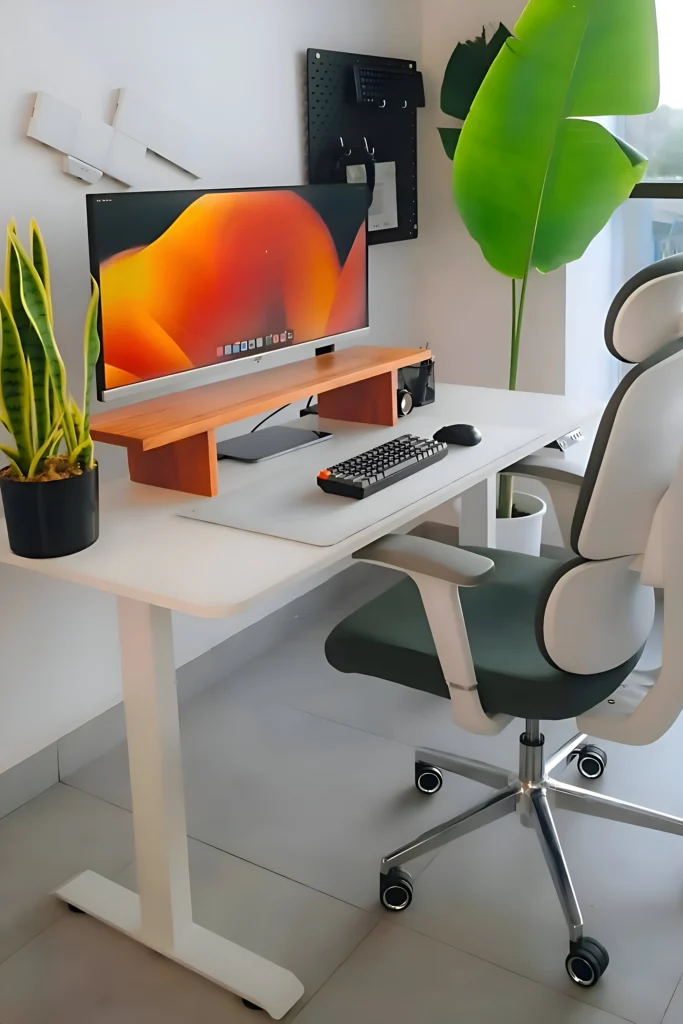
[171, 441]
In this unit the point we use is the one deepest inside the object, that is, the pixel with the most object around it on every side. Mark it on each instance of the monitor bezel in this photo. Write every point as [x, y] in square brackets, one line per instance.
[214, 372]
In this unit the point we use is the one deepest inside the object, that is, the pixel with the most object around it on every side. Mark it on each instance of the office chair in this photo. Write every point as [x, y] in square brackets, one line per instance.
[506, 636]
[656, 288]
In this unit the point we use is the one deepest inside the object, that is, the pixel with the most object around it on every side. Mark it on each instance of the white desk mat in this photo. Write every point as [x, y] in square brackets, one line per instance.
[292, 506]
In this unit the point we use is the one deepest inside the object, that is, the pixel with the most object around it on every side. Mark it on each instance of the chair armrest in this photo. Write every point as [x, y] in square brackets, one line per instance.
[419, 556]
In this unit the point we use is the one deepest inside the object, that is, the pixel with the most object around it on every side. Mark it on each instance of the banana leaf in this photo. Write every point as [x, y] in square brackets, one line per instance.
[450, 138]
[533, 183]
[14, 384]
[466, 70]
[35, 304]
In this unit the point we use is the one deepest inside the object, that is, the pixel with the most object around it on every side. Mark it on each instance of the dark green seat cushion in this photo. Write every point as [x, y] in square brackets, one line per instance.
[390, 638]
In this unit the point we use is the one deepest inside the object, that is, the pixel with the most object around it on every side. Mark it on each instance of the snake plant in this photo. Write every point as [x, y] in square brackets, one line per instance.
[48, 426]
[535, 176]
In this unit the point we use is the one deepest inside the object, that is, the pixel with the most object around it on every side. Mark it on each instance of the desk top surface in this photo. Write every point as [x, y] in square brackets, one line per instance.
[147, 552]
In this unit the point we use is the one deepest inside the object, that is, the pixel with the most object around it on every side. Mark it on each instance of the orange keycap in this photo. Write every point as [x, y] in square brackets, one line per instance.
[324, 474]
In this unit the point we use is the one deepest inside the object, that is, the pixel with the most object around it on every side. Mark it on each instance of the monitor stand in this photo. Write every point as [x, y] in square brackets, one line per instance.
[171, 439]
[268, 443]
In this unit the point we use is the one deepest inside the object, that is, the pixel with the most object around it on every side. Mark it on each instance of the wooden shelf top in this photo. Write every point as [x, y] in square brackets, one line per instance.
[160, 421]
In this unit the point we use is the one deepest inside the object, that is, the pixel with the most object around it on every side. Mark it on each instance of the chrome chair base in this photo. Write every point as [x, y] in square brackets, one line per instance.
[531, 794]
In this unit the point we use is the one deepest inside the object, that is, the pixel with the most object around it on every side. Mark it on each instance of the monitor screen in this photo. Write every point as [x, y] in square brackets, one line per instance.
[193, 279]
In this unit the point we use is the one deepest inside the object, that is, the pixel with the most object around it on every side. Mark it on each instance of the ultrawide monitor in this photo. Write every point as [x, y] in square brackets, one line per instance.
[195, 279]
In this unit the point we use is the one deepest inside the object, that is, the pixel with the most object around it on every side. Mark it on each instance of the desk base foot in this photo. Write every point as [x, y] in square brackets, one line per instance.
[225, 963]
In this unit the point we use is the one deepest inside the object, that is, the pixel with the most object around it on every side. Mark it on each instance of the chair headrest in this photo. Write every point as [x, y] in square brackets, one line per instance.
[648, 311]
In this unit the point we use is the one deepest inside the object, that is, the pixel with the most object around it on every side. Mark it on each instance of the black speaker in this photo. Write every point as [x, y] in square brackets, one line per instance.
[416, 386]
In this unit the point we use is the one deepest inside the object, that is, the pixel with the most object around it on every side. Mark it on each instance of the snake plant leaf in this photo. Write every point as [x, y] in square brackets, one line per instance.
[34, 301]
[12, 457]
[75, 413]
[83, 455]
[32, 424]
[450, 137]
[467, 69]
[91, 349]
[14, 383]
[38, 461]
[534, 187]
[54, 447]
[40, 262]
[30, 339]
[11, 230]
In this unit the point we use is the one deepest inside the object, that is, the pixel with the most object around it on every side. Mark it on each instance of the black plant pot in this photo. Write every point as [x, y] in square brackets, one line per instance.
[52, 518]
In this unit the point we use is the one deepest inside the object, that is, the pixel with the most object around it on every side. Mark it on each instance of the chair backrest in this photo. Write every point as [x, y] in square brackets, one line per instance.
[597, 615]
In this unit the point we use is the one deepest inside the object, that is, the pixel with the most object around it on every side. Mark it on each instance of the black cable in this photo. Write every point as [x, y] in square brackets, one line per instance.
[281, 409]
[270, 416]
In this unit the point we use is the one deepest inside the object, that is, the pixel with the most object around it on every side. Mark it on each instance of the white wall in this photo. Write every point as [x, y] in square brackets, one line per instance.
[235, 70]
[466, 304]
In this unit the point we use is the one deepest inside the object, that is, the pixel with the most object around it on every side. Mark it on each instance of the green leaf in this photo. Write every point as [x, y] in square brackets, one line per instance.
[43, 452]
[40, 262]
[450, 138]
[54, 447]
[83, 455]
[467, 69]
[32, 425]
[12, 457]
[11, 230]
[91, 348]
[35, 304]
[534, 187]
[30, 340]
[14, 383]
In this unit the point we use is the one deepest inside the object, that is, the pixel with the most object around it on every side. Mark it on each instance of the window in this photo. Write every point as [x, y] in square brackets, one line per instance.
[650, 227]
[660, 135]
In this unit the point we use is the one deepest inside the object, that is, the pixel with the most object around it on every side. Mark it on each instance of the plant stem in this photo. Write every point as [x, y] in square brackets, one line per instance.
[518, 319]
[505, 496]
[506, 483]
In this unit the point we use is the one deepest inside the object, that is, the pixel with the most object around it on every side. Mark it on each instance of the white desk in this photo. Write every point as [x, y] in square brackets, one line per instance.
[156, 562]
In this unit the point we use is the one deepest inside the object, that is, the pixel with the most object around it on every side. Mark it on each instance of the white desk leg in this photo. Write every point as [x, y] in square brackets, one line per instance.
[161, 916]
[478, 515]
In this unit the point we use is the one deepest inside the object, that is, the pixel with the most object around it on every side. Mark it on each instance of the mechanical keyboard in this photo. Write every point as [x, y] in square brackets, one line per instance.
[376, 469]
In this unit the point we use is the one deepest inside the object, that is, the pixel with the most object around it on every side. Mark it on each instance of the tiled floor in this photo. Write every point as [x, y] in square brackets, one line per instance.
[298, 780]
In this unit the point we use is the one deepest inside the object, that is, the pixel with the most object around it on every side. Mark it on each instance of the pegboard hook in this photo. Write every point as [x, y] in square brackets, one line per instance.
[345, 151]
[370, 152]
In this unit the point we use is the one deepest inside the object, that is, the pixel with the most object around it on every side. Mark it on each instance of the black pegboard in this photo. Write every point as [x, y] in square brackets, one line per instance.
[333, 113]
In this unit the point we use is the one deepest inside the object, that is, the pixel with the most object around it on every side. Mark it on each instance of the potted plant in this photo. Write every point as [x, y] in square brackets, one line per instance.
[50, 485]
[534, 179]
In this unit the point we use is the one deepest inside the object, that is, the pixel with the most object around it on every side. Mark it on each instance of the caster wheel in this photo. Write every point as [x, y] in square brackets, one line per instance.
[587, 962]
[428, 780]
[396, 890]
[591, 761]
[74, 910]
[252, 1006]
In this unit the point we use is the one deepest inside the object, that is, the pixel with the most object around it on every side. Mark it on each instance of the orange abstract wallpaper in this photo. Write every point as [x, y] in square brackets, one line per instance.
[232, 270]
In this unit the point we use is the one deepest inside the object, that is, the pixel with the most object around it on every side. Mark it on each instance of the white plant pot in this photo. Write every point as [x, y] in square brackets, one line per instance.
[523, 534]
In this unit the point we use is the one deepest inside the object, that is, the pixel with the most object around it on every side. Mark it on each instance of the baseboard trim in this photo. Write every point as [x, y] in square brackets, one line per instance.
[28, 779]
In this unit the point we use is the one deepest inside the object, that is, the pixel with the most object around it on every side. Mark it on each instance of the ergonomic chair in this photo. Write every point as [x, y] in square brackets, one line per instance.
[506, 636]
[658, 290]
